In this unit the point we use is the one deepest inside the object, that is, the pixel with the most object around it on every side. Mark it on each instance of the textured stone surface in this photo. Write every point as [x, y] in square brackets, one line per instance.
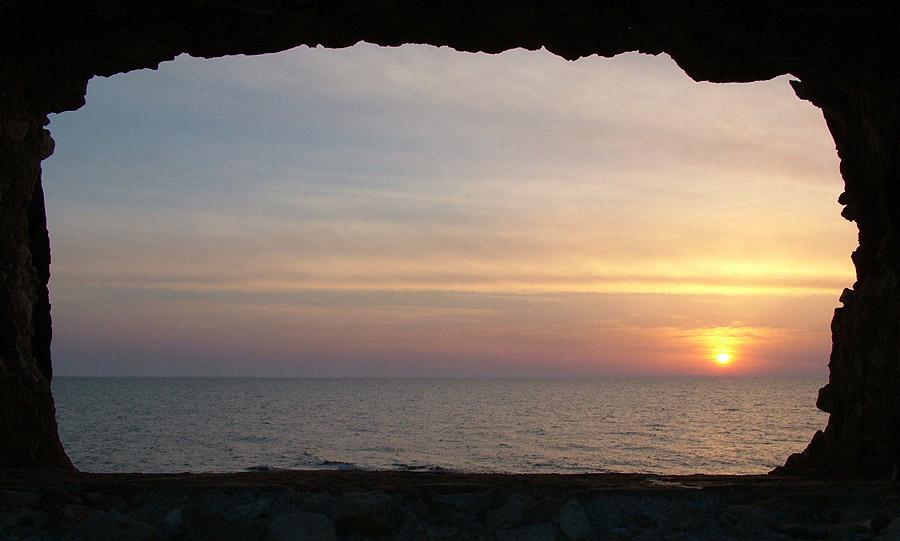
[27, 415]
[301, 525]
[844, 55]
[574, 522]
[298, 505]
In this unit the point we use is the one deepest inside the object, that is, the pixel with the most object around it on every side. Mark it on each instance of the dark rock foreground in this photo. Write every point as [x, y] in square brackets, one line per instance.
[391, 505]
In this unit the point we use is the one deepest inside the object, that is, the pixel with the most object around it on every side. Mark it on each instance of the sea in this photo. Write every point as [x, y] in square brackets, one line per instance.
[715, 425]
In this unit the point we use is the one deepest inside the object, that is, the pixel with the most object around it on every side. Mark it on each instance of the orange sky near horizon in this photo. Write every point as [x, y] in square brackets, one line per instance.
[423, 212]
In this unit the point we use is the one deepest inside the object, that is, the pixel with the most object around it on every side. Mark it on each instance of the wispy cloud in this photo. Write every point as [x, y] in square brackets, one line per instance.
[184, 194]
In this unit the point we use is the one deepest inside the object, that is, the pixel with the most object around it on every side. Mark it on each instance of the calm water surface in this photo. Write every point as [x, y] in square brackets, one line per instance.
[675, 426]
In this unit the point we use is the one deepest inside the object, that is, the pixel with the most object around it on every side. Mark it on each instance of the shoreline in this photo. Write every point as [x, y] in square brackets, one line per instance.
[328, 504]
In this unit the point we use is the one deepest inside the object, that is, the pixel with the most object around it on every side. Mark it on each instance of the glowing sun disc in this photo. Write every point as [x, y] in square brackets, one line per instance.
[723, 358]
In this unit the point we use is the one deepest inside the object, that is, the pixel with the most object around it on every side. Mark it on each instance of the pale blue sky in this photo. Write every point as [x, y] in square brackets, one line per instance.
[419, 211]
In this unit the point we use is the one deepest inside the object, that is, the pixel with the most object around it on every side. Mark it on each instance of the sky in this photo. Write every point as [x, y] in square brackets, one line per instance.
[418, 211]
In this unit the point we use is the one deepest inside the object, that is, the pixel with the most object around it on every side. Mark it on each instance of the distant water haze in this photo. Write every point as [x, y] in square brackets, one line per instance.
[422, 212]
[721, 425]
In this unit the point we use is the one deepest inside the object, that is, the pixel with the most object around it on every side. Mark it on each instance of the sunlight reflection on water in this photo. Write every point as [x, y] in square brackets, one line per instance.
[673, 426]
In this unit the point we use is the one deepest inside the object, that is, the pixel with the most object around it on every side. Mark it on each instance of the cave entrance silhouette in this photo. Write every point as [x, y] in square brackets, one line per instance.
[845, 61]
[145, 257]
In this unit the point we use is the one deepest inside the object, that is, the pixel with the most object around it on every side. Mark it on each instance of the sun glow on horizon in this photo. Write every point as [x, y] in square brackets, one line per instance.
[720, 344]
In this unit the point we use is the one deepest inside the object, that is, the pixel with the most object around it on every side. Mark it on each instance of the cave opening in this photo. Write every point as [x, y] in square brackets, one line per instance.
[170, 308]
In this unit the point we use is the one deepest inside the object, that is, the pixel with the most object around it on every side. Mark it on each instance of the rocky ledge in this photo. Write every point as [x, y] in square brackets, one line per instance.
[378, 505]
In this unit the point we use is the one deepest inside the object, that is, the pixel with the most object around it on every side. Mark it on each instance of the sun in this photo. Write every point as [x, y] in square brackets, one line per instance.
[723, 358]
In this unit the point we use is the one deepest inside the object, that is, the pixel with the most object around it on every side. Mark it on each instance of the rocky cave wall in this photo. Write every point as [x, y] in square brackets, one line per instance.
[844, 57]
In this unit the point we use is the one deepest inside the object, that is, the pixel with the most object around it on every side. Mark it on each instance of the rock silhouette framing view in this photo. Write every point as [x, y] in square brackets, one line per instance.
[846, 60]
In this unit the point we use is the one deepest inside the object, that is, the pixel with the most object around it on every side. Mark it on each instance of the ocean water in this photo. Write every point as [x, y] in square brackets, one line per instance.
[669, 426]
